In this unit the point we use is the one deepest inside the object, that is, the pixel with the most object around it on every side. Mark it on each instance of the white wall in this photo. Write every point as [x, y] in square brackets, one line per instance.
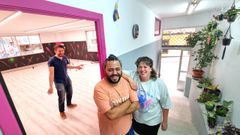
[226, 72]
[195, 20]
[63, 36]
[118, 35]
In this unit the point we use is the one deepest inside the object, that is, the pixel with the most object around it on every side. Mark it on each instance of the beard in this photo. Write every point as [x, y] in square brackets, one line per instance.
[60, 55]
[114, 78]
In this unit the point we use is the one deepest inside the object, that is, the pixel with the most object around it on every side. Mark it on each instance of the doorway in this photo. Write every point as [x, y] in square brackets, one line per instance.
[174, 66]
[52, 9]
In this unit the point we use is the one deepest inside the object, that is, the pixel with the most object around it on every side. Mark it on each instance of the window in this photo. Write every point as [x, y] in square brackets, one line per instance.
[176, 37]
[13, 46]
[157, 27]
[91, 41]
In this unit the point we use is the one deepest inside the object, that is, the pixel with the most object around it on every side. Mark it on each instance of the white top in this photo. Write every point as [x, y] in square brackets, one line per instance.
[153, 96]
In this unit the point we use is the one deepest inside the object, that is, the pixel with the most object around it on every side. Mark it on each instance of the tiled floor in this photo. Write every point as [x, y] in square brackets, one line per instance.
[39, 114]
[180, 115]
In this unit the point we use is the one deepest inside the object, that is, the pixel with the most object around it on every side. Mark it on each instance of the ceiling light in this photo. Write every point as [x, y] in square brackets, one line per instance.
[55, 26]
[10, 17]
[192, 5]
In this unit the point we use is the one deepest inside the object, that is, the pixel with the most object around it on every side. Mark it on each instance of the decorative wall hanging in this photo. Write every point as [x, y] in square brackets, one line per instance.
[135, 31]
[115, 12]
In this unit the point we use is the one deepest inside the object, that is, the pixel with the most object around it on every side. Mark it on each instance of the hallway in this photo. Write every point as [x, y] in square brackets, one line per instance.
[180, 115]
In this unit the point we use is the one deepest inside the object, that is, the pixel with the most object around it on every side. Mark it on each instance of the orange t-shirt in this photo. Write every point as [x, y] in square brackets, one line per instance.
[107, 96]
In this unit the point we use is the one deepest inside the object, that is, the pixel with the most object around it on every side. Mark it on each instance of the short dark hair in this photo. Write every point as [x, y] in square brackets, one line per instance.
[58, 46]
[111, 57]
[148, 61]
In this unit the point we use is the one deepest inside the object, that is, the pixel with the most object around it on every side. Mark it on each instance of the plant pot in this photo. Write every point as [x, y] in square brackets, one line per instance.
[205, 90]
[196, 73]
[232, 18]
[226, 41]
[220, 17]
[211, 122]
[216, 92]
[220, 120]
[221, 110]
[209, 107]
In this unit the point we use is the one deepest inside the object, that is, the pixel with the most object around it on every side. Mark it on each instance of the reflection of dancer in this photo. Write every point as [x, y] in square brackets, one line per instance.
[153, 97]
[58, 65]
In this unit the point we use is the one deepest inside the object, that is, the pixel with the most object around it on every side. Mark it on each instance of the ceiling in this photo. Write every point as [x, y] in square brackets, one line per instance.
[35, 23]
[27, 23]
[173, 8]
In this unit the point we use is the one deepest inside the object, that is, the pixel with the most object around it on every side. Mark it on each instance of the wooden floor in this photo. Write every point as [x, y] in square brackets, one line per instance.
[38, 111]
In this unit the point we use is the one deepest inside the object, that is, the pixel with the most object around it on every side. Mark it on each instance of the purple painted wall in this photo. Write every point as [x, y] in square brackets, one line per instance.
[8, 122]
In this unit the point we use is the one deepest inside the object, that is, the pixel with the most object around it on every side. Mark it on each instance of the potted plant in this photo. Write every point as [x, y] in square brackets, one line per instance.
[209, 105]
[211, 119]
[222, 110]
[204, 55]
[228, 129]
[226, 40]
[219, 17]
[204, 82]
[204, 97]
[213, 89]
[231, 14]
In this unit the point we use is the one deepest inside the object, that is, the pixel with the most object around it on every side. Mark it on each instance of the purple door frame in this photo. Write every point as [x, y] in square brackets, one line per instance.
[51, 9]
[54, 9]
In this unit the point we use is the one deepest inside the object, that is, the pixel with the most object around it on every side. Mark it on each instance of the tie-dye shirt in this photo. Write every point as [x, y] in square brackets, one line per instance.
[153, 96]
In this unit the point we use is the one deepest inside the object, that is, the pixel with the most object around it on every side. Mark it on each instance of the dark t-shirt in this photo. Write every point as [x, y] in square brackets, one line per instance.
[60, 68]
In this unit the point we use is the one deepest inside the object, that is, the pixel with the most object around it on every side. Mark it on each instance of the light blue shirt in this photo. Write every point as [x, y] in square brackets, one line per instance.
[153, 96]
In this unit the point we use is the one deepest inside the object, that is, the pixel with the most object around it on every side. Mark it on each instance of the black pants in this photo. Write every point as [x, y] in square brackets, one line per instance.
[143, 129]
[64, 89]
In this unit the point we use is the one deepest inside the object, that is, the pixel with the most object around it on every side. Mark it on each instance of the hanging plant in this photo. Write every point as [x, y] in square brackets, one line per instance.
[232, 13]
[219, 17]
[226, 40]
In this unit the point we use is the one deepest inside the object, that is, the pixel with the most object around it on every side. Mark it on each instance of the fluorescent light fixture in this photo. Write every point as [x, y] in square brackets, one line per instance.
[10, 17]
[55, 26]
[192, 5]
